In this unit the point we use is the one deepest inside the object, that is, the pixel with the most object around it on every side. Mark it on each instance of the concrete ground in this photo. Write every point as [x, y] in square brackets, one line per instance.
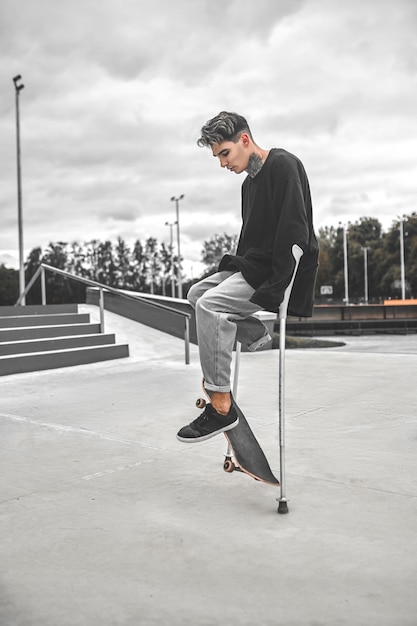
[107, 519]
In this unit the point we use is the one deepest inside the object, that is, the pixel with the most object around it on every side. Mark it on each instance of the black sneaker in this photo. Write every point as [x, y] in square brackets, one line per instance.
[208, 424]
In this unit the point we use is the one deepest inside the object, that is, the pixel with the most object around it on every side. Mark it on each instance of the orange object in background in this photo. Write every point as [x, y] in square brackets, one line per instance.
[400, 302]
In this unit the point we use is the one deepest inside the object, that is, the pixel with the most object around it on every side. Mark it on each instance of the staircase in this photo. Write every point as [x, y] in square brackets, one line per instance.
[37, 337]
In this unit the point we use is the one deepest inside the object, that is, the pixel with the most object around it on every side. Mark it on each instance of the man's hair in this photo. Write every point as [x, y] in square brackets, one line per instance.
[224, 127]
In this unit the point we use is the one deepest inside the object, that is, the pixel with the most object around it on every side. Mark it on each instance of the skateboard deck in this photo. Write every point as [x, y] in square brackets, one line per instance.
[247, 455]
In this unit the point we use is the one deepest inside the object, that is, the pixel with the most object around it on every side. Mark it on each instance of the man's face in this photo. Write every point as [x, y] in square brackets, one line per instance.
[234, 156]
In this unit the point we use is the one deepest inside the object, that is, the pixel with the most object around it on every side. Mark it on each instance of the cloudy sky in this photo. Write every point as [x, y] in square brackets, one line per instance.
[116, 92]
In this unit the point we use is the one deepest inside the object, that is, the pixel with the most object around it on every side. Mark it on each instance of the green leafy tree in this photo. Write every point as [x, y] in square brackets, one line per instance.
[139, 267]
[336, 258]
[149, 266]
[123, 263]
[410, 251]
[391, 262]
[153, 263]
[32, 264]
[168, 269]
[105, 264]
[77, 261]
[327, 239]
[364, 233]
[90, 259]
[9, 285]
[215, 248]
[60, 289]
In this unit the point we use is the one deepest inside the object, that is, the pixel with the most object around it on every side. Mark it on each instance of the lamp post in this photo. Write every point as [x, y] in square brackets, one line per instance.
[18, 89]
[365, 269]
[177, 200]
[402, 258]
[171, 224]
[345, 261]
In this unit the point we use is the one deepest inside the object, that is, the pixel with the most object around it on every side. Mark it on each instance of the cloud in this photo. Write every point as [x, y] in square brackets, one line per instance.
[115, 95]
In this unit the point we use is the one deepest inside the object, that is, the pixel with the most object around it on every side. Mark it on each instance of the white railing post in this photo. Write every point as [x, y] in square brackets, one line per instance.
[101, 310]
[43, 285]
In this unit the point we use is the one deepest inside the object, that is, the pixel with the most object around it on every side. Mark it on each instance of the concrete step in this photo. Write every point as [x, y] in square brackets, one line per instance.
[55, 343]
[17, 364]
[38, 332]
[52, 319]
[37, 337]
[38, 309]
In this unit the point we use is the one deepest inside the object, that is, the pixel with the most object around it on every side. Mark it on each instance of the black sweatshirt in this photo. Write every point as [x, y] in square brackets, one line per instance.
[277, 213]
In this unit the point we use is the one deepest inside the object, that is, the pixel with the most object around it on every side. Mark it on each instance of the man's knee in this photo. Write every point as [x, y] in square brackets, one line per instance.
[193, 294]
[212, 300]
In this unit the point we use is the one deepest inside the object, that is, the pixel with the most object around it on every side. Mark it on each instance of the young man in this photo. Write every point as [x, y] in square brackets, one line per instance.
[276, 214]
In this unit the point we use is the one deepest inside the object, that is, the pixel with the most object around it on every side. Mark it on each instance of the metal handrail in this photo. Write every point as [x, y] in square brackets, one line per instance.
[102, 288]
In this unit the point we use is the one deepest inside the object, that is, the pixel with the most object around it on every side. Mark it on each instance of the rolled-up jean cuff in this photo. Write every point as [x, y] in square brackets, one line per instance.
[259, 343]
[223, 389]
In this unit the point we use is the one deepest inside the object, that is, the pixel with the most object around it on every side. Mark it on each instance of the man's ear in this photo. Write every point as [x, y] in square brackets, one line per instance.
[245, 139]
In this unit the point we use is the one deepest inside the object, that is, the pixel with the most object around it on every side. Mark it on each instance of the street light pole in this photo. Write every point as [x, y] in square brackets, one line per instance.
[18, 88]
[177, 200]
[402, 258]
[172, 257]
[345, 257]
[365, 268]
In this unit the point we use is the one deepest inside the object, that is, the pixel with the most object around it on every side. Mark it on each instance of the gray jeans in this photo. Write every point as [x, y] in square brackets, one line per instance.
[223, 311]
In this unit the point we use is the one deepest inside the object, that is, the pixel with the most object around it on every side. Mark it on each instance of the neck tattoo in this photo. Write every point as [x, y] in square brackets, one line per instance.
[254, 165]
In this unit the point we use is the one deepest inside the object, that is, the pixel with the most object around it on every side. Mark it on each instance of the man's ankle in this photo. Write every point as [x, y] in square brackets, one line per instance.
[221, 402]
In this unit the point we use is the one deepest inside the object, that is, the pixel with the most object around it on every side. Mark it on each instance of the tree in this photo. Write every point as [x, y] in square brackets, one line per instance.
[123, 269]
[167, 270]
[105, 269]
[392, 257]
[215, 248]
[78, 261]
[32, 264]
[60, 289]
[153, 262]
[9, 285]
[327, 239]
[139, 267]
[364, 233]
[149, 266]
[410, 251]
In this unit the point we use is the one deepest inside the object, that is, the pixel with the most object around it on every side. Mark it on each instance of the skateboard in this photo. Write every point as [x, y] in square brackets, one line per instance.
[244, 452]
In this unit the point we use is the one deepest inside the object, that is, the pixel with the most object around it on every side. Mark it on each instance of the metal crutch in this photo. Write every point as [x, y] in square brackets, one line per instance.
[283, 505]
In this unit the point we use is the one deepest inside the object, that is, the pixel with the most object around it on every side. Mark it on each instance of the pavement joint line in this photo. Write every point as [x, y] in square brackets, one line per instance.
[119, 468]
[148, 461]
[75, 430]
[355, 485]
[38, 492]
[78, 478]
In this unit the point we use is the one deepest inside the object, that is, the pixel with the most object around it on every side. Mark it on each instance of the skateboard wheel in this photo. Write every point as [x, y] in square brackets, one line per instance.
[228, 466]
[200, 403]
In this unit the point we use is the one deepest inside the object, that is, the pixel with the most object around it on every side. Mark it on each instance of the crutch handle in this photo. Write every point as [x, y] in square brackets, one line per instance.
[297, 253]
